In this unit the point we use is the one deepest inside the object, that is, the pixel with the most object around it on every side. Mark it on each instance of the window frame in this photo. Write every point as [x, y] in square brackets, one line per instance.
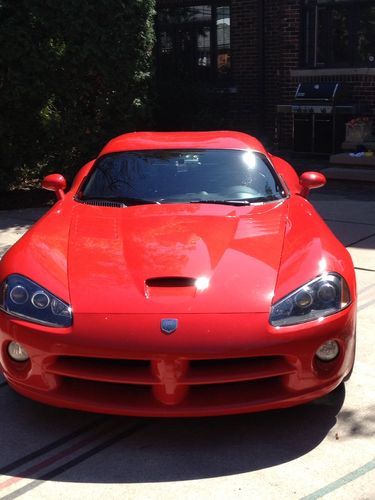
[213, 75]
[310, 36]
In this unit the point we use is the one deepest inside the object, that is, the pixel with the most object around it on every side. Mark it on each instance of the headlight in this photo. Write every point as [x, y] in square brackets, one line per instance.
[25, 299]
[320, 297]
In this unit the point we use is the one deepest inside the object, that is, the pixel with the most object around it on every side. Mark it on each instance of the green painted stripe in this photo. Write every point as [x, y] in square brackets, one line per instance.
[342, 481]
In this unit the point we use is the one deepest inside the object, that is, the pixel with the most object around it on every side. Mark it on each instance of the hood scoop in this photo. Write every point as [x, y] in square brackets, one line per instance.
[170, 289]
[170, 282]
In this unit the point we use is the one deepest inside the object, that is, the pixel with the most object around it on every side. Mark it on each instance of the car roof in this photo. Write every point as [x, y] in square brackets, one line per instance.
[138, 141]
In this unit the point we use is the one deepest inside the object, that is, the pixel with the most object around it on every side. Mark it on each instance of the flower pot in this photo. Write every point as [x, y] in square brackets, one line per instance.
[357, 132]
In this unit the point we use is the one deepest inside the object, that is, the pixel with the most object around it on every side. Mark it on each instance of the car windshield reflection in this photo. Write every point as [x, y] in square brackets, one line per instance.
[183, 176]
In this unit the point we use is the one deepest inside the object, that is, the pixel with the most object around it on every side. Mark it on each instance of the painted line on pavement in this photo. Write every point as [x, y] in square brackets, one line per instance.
[342, 481]
[365, 305]
[364, 301]
[54, 444]
[361, 239]
[364, 269]
[72, 463]
[102, 446]
[350, 222]
[32, 471]
[40, 466]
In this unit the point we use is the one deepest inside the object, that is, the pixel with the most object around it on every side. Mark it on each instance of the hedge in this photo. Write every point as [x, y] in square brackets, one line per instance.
[72, 75]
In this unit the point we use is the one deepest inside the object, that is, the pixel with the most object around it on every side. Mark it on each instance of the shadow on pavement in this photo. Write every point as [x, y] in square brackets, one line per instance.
[163, 449]
[349, 209]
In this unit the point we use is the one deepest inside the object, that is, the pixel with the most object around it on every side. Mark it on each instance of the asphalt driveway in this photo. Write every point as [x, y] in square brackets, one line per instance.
[325, 448]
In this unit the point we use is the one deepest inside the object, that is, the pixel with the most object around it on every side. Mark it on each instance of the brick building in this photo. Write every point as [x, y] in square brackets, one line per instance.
[253, 53]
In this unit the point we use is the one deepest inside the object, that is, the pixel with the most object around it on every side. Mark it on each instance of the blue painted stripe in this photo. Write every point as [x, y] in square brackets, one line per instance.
[348, 478]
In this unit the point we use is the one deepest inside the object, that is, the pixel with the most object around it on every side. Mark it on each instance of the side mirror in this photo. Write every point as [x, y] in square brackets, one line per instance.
[55, 182]
[311, 180]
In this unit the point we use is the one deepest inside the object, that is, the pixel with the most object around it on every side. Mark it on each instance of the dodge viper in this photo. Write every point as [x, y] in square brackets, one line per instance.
[181, 274]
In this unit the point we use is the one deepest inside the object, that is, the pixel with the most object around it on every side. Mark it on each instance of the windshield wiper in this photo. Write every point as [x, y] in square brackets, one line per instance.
[127, 200]
[247, 201]
[222, 202]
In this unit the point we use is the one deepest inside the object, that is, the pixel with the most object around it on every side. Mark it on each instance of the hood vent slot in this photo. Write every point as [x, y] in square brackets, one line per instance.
[102, 203]
[170, 281]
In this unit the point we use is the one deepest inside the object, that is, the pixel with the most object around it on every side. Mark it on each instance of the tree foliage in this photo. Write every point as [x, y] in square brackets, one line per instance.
[72, 75]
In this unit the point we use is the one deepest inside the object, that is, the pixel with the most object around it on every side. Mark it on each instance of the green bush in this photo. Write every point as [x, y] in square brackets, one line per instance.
[72, 75]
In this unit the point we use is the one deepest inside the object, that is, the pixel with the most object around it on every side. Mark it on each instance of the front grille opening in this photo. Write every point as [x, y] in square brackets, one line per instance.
[228, 363]
[106, 362]
[122, 396]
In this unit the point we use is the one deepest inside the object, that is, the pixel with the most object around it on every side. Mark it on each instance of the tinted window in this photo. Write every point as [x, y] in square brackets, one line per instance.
[169, 176]
[194, 41]
[339, 33]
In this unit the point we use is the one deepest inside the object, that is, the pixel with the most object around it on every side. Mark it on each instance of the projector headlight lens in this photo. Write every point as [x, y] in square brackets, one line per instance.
[22, 297]
[19, 295]
[323, 296]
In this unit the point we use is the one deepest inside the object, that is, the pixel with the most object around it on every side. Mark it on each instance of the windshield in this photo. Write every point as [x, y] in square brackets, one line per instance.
[183, 176]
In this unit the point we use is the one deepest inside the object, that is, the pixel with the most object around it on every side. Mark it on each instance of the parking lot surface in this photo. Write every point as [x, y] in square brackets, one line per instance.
[323, 449]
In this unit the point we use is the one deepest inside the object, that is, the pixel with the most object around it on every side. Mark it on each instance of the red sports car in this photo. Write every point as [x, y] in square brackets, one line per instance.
[183, 274]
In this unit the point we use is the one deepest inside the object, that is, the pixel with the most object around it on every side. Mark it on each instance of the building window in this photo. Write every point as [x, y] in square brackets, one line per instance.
[194, 41]
[338, 33]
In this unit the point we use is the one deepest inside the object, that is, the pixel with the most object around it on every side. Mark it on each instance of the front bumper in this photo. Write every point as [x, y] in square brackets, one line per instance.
[212, 365]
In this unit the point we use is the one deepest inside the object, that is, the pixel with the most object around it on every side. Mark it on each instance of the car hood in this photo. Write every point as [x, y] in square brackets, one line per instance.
[146, 259]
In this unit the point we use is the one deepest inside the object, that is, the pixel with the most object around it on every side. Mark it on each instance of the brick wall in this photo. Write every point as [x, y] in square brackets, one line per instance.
[265, 37]
[246, 70]
[282, 33]
[265, 46]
